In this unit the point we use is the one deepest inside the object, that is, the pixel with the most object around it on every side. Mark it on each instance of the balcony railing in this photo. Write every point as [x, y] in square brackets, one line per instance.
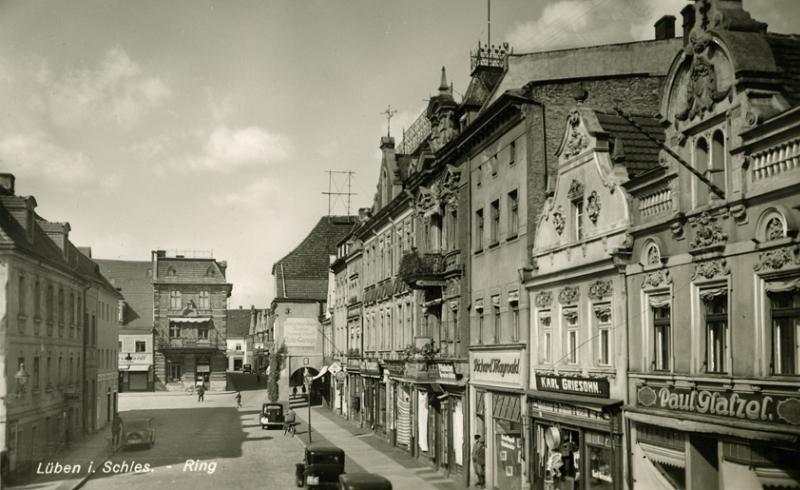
[420, 270]
[212, 342]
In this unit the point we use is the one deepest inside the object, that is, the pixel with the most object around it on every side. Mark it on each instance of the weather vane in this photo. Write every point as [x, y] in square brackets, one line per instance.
[389, 115]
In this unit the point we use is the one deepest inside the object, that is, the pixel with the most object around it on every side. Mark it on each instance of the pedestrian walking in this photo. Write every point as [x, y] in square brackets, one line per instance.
[289, 422]
[479, 460]
[201, 391]
[116, 430]
[238, 399]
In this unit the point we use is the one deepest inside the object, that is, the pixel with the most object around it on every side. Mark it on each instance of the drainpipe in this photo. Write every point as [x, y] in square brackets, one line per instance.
[84, 382]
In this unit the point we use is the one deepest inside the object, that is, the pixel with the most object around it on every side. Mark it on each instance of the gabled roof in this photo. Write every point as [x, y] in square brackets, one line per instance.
[786, 50]
[303, 272]
[42, 247]
[189, 271]
[135, 281]
[238, 323]
[628, 145]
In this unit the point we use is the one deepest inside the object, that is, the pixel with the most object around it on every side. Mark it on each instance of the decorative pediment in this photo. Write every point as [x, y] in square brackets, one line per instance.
[777, 259]
[701, 91]
[600, 289]
[710, 269]
[568, 295]
[575, 190]
[543, 299]
[657, 279]
[190, 310]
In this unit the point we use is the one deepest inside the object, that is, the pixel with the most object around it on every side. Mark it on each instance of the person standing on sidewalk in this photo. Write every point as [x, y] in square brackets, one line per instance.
[116, 429]
[238, 399]
[479, 460]
[201, 391]
[289, 422]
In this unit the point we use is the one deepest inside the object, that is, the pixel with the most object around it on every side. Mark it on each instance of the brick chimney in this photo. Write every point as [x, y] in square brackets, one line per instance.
[223, 266]
[687, 13]
[7, 183]
[665, 27]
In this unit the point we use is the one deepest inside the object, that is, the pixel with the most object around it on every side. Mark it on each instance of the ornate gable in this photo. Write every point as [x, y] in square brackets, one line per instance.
[442, 192]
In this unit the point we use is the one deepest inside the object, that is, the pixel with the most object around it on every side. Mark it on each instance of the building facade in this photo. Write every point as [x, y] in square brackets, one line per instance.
[712, 287]
[238, 327]
[190, 301]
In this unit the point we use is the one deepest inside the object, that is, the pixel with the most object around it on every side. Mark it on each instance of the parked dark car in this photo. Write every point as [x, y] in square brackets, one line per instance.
[273, 415]
[321, 467]
[138, 432]
[247, 368]
[363, 481]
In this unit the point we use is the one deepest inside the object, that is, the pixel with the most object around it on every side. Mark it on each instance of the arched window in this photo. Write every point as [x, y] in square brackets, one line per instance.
[651, 254]
[701, 164]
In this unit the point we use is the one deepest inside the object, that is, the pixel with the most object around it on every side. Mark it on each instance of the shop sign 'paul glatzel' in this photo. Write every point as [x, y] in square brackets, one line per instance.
[747, 406]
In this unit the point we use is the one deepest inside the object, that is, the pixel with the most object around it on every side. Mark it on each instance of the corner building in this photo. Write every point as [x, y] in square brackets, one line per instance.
[713, 291]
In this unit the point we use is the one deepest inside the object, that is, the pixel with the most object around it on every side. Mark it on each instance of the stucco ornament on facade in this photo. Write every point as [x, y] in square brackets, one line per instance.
[702, 92]
[575, 190]
[558, 219]
[543, 299]
[777, 259]
[577, 140]
[711, 269]
[593, 206]
[568, 295]
[443, 192]
[775, 229]
[708, 233]
[656, 279]
[600, 289]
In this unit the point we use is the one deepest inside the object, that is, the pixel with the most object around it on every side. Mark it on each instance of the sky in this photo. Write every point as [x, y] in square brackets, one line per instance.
[209, 125]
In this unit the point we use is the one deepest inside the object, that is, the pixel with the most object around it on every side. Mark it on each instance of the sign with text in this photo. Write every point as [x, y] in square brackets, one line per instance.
[137, 358]
[758, 407]
[300, 335]
[496, 367]
[575, 385]
[446, 370]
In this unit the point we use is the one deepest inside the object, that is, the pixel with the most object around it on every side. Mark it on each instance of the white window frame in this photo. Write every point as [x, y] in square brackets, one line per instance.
[572, 354]
[601, 327]
[699, 328]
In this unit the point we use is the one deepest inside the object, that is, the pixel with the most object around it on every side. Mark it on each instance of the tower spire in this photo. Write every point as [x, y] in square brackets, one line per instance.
[444, 87]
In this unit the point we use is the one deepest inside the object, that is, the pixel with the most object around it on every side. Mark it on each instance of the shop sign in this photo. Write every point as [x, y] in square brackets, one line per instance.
[301, 335]
[203, 368]
[335, 367]
[541, 407]
[501, 367]
[577, 385]
[446, 370]
[136, 358]
[746, 406]
[354, 364]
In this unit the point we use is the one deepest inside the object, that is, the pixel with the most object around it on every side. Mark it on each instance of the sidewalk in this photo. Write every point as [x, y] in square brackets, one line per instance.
[370, 453]
[94, 448]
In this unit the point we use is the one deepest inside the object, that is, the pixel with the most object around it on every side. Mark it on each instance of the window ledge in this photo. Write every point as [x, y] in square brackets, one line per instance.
[512, 237]
[494, 244]
[478, 251]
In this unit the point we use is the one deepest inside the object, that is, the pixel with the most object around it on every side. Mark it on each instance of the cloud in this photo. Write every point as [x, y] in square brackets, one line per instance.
[117, 89]
[572, 23]
[228, 149]
[255, 195]
[34, 156]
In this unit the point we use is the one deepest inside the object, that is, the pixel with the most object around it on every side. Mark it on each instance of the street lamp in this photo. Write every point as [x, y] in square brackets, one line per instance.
[307, 381]
[128, 358]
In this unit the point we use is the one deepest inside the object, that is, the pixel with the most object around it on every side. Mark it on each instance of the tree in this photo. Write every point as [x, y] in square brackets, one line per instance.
[276, 362]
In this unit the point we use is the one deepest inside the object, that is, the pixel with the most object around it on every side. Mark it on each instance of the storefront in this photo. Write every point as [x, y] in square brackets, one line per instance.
[576, 439]
[371, 372]
[497, 414]
[354, 386]
[136, 371]
[710, 436]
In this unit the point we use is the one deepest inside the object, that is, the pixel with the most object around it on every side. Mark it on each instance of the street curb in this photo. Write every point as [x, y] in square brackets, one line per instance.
[86, 478]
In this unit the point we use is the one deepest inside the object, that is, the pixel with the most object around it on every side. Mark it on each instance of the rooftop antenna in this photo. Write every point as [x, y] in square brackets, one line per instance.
[489, 24]
[390, 113]
[334, 188]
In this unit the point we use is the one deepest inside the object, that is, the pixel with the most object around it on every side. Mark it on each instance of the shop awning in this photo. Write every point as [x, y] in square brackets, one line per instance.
[664, 455]
[195, 319]
[506, 407]
[590, 402]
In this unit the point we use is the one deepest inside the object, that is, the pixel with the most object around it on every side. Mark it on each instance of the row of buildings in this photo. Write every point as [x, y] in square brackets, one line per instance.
[76, 331]
[58, 336]
[590, 260]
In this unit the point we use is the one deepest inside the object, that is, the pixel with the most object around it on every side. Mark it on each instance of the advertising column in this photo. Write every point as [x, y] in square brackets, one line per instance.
[497, 382]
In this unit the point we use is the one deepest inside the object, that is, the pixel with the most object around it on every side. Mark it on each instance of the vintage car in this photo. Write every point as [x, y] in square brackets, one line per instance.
[138, 432]
[273, 415]
[321, 467]
[363, 481]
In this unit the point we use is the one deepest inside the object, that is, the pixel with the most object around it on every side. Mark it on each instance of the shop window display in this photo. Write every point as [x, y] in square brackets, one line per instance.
[508, 454]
